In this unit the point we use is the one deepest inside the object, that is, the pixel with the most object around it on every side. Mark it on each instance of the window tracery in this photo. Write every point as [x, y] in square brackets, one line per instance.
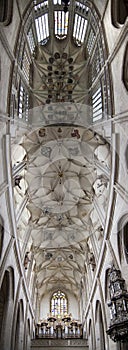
[80, 25]
[59, 305]
[61, 24]
[42, 28]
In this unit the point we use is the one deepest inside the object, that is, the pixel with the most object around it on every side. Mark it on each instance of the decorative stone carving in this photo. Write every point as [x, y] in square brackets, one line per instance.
[118, 304]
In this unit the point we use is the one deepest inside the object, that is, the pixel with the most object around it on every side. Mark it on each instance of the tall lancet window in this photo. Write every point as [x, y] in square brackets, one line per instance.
[61, 24]
[59, 304]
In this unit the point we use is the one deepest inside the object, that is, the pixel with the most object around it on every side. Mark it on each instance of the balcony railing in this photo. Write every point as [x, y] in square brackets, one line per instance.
[43, 330]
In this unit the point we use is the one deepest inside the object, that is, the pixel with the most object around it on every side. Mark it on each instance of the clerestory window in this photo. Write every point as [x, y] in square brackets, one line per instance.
[41, 21]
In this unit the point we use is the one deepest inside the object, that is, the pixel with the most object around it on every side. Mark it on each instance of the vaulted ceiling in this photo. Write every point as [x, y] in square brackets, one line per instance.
[67, 165]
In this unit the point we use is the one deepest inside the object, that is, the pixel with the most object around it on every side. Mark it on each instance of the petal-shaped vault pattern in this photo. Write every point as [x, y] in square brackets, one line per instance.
[64, 188]
[62, 183]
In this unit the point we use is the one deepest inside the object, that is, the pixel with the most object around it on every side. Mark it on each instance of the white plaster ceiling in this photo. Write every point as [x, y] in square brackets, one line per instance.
[64, 178]
[62, 183]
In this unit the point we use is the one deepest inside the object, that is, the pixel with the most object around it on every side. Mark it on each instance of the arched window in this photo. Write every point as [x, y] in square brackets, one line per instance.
[41, 21]
[6, 308]
[100, 335]
[19, 335]
[119, 12]
[6, 11]
[61, 24]
[59, 304]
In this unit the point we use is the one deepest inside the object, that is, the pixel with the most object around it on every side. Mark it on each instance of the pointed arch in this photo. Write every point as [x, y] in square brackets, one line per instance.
[122, 238]
[119, 12]
[19, 335]
[6, 308]
[6, 7]
[100, 335]
[90, 337]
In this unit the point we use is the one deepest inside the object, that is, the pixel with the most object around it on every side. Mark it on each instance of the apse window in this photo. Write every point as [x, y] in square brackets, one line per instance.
[42, 28]
[61, 24]
[79, 30]
[59, 304]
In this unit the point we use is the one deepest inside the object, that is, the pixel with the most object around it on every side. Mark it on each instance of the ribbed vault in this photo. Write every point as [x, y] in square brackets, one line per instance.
[63, 188]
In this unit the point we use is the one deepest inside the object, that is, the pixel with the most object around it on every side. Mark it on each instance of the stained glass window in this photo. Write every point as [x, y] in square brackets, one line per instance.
[59, 304]
[61, 24]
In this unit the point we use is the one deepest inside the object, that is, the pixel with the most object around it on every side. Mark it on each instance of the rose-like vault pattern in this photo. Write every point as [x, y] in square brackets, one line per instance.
[62, 179]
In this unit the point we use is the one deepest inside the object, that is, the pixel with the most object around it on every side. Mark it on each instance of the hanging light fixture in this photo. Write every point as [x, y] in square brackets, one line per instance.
[118, 329]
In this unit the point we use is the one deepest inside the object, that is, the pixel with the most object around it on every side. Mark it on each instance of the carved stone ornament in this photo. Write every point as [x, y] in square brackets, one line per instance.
[118, 329]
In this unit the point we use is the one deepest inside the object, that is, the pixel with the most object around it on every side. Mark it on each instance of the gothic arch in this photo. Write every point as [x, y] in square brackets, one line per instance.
[19, 334]
[6, 7]
[6, 308]
[28, 335]
[119, 12]
[100, 335]
[90, 336]
[122, 238]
